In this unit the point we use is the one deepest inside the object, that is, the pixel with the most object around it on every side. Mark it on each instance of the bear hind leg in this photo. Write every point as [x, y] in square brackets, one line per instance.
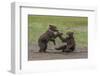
[43, 47]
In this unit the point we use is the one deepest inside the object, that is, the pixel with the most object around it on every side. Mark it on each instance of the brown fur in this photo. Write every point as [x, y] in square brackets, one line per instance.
[49, 35]
[70, 43]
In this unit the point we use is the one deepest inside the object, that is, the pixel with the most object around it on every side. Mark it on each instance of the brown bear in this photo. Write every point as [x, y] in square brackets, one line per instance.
[70, 43]
[49, 35]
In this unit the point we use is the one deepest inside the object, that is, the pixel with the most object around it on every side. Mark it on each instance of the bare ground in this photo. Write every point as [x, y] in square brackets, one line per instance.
[79, 53]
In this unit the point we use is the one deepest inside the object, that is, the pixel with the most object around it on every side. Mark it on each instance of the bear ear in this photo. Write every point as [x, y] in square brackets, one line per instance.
[50, 25]
[72, 32]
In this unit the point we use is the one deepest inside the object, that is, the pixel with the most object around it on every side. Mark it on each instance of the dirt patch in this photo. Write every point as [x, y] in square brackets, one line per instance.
[79, 53]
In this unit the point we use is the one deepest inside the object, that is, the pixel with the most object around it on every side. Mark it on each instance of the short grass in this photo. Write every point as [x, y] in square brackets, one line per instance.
[37, 25]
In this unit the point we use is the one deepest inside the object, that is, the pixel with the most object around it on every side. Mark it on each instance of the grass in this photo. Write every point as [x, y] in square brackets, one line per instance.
[37, 25]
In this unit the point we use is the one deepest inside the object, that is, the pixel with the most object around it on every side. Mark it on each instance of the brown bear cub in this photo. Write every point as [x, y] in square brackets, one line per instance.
[70, 43]
[49, 35]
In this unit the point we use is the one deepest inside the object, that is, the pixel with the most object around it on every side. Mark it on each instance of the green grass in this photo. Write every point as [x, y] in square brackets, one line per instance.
[37, 25]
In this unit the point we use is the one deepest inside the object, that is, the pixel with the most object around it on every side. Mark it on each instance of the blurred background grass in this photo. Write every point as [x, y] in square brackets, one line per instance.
[37, 25]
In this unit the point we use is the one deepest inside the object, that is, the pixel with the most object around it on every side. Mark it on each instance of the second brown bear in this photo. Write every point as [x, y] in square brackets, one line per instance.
[70, 43]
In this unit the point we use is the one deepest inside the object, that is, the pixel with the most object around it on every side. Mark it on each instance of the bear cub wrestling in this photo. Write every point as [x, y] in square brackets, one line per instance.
[70, 43]
[49, 35]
